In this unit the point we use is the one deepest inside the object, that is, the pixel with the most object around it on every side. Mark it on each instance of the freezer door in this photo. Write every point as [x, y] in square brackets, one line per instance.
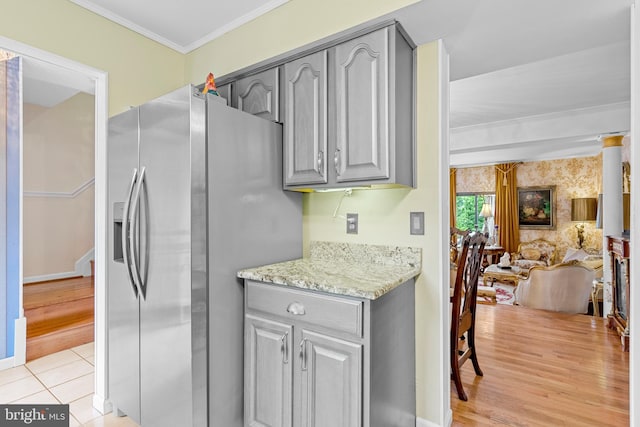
[252, 222]
[172, 328]
[123, 307]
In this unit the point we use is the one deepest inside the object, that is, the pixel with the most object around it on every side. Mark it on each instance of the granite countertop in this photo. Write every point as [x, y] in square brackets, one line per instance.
[365, 271]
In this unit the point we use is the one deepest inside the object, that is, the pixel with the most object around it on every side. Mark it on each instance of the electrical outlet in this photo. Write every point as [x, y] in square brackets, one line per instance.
[416, 223]
[352, 223]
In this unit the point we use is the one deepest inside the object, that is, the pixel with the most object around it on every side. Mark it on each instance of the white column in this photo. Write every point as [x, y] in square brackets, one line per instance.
[612, 209]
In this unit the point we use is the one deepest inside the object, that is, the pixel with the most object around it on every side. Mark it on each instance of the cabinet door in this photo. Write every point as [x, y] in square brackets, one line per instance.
[305, 124]
[330, 382]
[225, 92]
[268, 370]
[362, 103]
[259, 94]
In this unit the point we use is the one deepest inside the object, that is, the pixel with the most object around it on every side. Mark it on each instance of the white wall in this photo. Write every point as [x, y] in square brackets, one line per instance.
[58, 185]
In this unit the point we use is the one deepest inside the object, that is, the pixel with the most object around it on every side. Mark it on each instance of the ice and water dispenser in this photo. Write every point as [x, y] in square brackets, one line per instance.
[118, 214]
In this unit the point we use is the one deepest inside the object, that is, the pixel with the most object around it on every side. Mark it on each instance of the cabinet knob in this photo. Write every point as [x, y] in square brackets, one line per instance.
[296, 309]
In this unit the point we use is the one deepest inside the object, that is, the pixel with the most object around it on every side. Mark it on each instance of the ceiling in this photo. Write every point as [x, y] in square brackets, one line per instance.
[510, 60]
[181, 25]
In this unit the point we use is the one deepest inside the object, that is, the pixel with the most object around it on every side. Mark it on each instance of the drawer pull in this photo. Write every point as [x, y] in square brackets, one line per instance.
[296, 309]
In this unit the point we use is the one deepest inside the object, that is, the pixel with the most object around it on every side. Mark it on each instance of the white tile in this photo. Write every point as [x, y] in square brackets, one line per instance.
[52, 361]
[83, 410]
[111, 420]
[41, 398]
[73, 422]
[86, 351]
[13, 374]
[74, 389]
[64, 373]
[19, 389]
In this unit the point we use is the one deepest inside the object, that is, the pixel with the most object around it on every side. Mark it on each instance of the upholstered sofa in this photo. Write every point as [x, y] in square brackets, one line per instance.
[590, 259]
[539, 252]
[564, 287]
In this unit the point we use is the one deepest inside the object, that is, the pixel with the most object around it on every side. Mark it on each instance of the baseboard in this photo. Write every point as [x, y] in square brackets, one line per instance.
[19, 346]
[47, 277]
[421, 422]
[83, 265]
[7, 363]
[20, 341]
[101, 404]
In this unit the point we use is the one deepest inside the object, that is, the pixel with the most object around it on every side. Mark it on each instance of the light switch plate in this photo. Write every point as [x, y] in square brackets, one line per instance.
[352, 223]
[416, 223]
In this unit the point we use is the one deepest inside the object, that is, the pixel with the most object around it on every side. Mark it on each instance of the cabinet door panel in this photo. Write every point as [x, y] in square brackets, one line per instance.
[225, 92]
[330, 382]
[259, 94]
[362, 91]
[268, 373]
[305, 148]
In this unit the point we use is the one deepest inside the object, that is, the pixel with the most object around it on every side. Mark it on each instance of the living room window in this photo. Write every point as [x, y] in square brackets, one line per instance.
[469, 208]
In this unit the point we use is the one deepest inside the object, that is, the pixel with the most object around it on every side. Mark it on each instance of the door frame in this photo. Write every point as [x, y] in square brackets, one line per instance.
[634, 378]
[101, 110]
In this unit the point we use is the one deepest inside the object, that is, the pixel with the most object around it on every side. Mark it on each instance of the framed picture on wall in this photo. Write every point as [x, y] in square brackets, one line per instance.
[537, 208]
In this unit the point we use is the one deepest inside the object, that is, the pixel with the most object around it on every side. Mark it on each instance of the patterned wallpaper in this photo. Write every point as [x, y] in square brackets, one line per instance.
[573, 178]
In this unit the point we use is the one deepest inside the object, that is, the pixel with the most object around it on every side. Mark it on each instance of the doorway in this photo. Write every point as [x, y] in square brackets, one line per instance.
[72, 74]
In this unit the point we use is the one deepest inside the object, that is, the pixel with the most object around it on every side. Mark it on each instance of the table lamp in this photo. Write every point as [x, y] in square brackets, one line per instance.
[583, 210]
[486, 213]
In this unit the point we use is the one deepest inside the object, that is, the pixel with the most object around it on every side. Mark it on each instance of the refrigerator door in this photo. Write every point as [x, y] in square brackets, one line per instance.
[172, 233]
[123, 304]
[252, 221]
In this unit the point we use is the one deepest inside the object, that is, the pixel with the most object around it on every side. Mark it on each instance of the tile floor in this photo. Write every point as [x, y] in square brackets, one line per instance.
[63, 377]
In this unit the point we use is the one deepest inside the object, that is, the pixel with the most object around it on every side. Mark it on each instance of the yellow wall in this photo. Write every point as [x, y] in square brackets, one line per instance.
[139, 69]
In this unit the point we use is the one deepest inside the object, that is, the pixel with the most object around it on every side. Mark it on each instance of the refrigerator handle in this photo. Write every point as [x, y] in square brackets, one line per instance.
[133, 246]
[125, 231]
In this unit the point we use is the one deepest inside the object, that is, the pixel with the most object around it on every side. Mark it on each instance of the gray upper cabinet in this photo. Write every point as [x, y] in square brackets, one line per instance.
[370, 115]
[258, 94]
[225, 92]
[305, 106]
[362, 103]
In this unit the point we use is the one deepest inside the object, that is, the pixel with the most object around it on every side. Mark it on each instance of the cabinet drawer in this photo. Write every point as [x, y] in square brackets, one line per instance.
[340, 314]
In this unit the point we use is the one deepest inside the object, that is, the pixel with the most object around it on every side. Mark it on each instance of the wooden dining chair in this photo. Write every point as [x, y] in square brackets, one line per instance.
[463, 310]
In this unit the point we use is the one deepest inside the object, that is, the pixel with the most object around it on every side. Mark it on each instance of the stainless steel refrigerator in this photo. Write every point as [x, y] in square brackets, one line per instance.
[195, 194]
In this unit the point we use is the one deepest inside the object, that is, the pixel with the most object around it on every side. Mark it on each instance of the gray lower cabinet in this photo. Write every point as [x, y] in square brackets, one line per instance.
[330, 391]
[366, 114]
[318, 359]
[258, 94]
[268, 377]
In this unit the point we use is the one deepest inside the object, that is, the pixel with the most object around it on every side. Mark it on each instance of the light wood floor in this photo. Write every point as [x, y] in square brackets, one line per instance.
[543, 369]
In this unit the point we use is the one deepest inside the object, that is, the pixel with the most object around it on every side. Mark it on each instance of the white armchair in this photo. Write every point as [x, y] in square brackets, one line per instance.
[562, 287]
